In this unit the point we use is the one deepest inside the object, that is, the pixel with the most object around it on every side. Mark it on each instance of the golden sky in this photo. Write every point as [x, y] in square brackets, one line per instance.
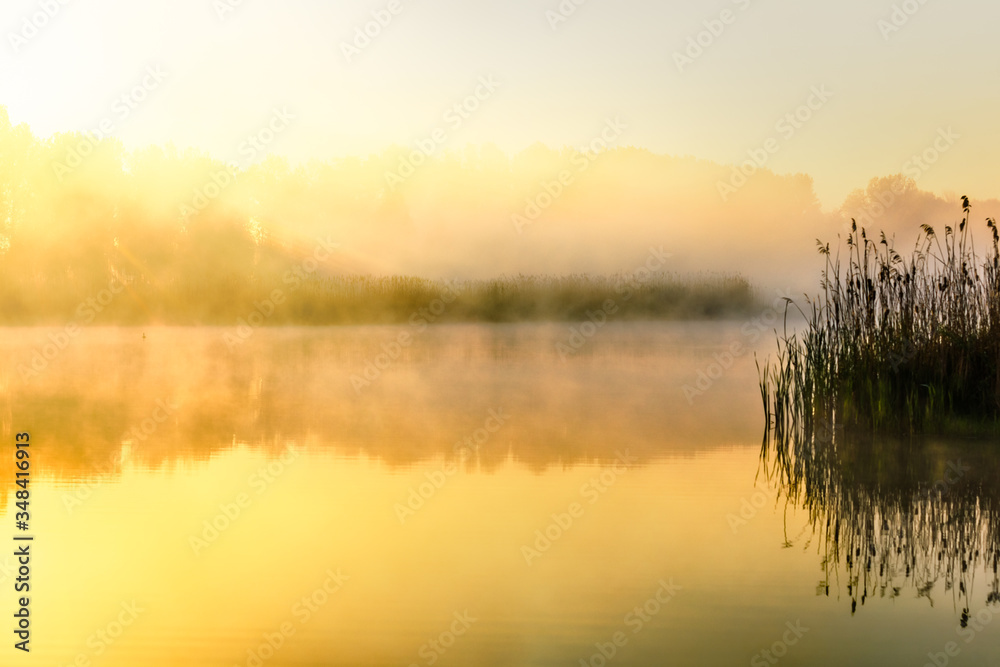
[714, 80]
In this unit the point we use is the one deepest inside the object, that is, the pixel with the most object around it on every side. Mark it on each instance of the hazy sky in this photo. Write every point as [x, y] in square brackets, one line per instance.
[226, 68]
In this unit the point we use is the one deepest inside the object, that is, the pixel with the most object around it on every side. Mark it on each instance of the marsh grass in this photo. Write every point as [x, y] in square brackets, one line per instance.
[365, 299]
[894, 344]
[527, 298]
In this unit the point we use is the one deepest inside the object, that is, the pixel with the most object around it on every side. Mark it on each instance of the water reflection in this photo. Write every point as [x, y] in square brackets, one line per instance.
[893, 515]
[183, 394]
[145, 450]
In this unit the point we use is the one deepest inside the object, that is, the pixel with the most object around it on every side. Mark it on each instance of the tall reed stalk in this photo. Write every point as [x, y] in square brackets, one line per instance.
[893, 343]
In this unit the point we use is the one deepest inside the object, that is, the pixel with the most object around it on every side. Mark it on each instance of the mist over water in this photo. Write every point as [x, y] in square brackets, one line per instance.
[542, 495]
[511, 334]
[357, 390]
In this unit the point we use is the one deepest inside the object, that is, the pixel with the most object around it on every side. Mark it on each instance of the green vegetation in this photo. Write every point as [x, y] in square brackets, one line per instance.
[895, 344]
[363, 299]
[91, 233]
[287, 298]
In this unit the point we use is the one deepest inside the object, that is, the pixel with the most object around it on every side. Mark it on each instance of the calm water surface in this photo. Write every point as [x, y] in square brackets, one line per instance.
[480, 499]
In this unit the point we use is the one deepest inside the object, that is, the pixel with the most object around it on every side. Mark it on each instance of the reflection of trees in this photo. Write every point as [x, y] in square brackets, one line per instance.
[294, 385]
[891, 515]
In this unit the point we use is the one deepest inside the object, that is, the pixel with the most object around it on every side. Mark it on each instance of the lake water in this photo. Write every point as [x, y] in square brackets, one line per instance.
[486, 495]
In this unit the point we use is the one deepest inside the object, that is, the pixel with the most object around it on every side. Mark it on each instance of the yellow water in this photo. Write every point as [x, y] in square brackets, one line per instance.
[264, 512]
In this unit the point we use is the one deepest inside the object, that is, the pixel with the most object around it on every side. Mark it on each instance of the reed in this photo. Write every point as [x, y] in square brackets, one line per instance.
[893, 343]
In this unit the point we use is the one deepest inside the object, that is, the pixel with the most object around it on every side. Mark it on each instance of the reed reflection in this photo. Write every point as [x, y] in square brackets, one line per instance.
[891, 517]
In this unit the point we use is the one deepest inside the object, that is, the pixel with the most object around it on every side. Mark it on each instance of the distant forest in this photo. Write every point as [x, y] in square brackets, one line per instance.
[91, 233]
